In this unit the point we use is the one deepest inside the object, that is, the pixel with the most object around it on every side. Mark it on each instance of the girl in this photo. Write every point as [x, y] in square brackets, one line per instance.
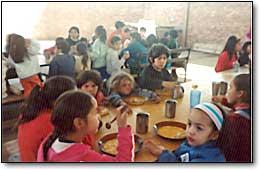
[228, 56]
[90, 81]
[122, 85]
[23, 57]
[75, 116]
[155, 76]
[244, 54]
[173, 42]
[73, 39]
[204, 124]
[100, 52]
[62, 63]
[34, 121]
[82, 59]
[237, 130]
[114, 64]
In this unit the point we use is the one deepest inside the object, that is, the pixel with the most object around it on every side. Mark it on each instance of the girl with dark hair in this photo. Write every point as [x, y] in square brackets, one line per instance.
[23, 57]
[237, 130]
[228, 57]
[156, 76]
[100, 49]
[62, 63]
[74, 116]
[73, 39]
[34, 121]
[150, 40]
[90, 81]
[82, 59]
[244, 54]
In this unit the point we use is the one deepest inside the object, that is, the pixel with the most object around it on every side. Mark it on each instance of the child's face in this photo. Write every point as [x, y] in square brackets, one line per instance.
[232, 94]
[199, 129]
[125, 87]
[238, 46]
[248, 49]
[90, 87]
[160, 62]
[117, 45]
[93, 122]
[74, 34]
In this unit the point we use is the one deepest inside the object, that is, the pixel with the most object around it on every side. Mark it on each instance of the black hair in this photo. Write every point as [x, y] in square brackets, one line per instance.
[156, 50]
[101, 33]
[143, 29]
[136, 36]
[16, 48]
[242, 83]
[90, 75]
[63, 46]
[173, 33]
[126, 30]
[150, 40]
[73, 28]
[43, 98]
[119, 24]
[115, 39]
[69, 106]
[58, 40]
[82, 50]
[230, 46]
[244, 47]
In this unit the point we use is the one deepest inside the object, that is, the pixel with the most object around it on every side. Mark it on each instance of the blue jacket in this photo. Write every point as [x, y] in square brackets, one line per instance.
[185, 153]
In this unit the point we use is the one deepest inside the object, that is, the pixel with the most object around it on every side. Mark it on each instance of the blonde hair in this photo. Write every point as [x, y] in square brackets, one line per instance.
[116, 79]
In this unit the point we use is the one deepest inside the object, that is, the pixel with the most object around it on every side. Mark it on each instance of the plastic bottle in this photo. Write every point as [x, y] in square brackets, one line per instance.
[194, 96]
[236, 66]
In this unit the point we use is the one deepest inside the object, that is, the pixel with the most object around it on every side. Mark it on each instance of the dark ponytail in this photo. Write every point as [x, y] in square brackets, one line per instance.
[48, 143]
[82, 50]
[43, 97]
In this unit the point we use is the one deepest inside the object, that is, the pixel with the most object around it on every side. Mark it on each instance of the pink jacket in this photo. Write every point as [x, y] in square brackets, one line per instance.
[79, 152]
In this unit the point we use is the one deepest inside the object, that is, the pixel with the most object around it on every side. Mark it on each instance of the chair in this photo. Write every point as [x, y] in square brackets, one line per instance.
[180, 58]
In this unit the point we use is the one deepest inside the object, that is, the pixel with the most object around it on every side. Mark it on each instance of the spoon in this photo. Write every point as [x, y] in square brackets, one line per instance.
[108, 124]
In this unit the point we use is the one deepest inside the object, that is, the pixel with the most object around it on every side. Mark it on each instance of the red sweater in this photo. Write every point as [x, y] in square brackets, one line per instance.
[78, 152]
[31, 134]
[235, 137]
[224, 63]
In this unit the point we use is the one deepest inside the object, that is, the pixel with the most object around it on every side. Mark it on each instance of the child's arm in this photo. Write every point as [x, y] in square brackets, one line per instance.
[115, 99]
[167, 156]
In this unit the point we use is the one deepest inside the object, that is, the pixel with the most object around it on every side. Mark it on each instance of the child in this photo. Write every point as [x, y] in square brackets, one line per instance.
[228, 56]
[73, 39]
[204, 124]
[62, 63]
[244, 54]
[119, 32]
[75, 116]
[34, 121]
[90, 81]
[50, 52]
[114, 64]
[173, 43]
[100, 52]
[122, 85]
[155, 76]
[23, 57]
[82, 59]
[235, 140]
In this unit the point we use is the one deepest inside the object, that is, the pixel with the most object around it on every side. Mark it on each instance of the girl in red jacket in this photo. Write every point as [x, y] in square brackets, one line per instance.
[34, 121]
[235, 139]
[228, 57]
[75, 116]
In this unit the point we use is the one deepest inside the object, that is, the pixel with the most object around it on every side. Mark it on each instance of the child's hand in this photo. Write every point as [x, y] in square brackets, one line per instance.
[218, 99]
[157, 99]
[153, 148]
[126, 56]
[168, 84]
[122, 116]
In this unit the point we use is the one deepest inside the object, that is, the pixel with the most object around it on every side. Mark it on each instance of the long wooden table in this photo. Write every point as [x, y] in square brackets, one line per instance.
[156, 112]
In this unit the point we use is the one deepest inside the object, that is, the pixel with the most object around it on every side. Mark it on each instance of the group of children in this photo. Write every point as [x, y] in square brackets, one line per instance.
[59, 118]
[233, 54]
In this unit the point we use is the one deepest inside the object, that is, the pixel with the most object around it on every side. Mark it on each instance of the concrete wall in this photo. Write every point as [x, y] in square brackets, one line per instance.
[209, 22]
